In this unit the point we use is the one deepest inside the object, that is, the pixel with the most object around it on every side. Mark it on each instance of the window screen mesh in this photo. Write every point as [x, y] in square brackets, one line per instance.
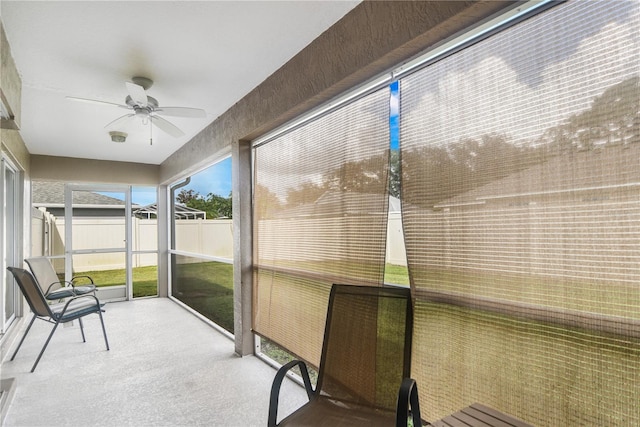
[521, 212]
[320, 214]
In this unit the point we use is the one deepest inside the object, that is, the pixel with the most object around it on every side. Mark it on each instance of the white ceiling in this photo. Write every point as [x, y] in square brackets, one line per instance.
[202, 54]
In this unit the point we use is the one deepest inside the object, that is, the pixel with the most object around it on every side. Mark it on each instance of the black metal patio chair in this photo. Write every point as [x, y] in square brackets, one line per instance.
[363, 377]
[51, 285]
[73, 308]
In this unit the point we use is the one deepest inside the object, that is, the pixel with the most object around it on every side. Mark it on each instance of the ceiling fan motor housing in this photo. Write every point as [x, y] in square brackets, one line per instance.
[152, 103]
[142, 81]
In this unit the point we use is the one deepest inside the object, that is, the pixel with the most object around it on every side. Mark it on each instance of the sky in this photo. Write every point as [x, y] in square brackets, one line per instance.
[490, 88]
[215, 179]
[394, 117]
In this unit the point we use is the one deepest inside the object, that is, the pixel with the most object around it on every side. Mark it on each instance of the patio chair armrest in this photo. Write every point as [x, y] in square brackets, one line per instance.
[64, 284]
[408, 404]
[65, 291]
[73, 279]
[71, 309]
[277, 383]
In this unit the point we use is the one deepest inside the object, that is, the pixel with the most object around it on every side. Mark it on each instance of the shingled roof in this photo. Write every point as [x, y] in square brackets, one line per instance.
[52, 194]
[609, 168]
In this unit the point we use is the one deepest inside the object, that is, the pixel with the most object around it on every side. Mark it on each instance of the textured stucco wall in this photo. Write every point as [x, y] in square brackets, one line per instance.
[373, 38]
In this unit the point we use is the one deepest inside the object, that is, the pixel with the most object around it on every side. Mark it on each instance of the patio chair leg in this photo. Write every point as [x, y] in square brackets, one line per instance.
[104, 331]
[44, 347]
[24, 336]
[82, 329]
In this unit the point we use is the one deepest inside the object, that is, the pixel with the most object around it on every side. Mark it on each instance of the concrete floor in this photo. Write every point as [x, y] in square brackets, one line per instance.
[165, 368]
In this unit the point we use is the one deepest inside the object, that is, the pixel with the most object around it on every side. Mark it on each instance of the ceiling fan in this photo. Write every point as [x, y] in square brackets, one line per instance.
[146, 108]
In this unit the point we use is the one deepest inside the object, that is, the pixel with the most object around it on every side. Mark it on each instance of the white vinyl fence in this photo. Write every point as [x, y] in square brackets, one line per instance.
[197, 236]
[206, 237]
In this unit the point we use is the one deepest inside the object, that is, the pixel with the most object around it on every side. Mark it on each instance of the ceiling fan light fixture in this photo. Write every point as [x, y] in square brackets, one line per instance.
[117, 136]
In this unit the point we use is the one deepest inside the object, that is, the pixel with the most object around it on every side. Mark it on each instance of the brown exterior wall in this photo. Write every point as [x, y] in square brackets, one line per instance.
[69, 169]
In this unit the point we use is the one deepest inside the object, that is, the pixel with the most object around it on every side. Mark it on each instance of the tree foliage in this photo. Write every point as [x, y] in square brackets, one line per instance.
[214, 205]
[362, 176]
[266, 202]
[455, 168]
[452, 169]
[307, 192]
[614, 118]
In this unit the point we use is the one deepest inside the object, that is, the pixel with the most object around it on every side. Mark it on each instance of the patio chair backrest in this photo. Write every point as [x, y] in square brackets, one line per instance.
[44, 274]
[367, 345]
[31, 291]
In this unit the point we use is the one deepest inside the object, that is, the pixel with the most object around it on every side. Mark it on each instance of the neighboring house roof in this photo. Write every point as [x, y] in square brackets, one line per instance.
[611, 168]
[331, 202]
[180, 212]
[51, 194]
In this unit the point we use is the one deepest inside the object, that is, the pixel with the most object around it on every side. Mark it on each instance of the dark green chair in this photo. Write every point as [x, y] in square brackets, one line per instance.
[363, 378]
[73, 308]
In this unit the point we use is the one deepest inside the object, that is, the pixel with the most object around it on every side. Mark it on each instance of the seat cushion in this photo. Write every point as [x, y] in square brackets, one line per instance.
[68, 291]
[84, 289]
[60, 293]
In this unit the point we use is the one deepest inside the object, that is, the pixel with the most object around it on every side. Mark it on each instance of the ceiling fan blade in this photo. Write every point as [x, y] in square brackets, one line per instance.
[181, 112]
[166, 126]
[121, 120]
[95, 101]
[137, 93]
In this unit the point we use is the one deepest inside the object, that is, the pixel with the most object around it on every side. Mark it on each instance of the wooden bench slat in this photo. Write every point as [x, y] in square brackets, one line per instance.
[500, 415]
[469, 420]
[479, 415]
[450, 421]
[491, 420]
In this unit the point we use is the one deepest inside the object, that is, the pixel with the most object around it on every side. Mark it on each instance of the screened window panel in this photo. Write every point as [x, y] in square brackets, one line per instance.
[320, 214]
[521, 200]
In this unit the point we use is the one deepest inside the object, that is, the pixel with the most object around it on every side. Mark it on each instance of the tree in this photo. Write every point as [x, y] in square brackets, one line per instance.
[219, 206]
[394, 173]
[185, 196]
[267, 203]
[451, 170]
[214, 205]
[368, 175]
[307, 192]
[614, 118]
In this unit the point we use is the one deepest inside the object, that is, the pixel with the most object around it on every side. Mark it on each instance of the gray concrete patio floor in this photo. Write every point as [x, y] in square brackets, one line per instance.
[165, 368]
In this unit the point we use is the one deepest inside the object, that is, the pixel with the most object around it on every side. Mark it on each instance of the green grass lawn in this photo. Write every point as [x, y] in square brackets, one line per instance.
[145, 279]
[396, 274]
[207, 287]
